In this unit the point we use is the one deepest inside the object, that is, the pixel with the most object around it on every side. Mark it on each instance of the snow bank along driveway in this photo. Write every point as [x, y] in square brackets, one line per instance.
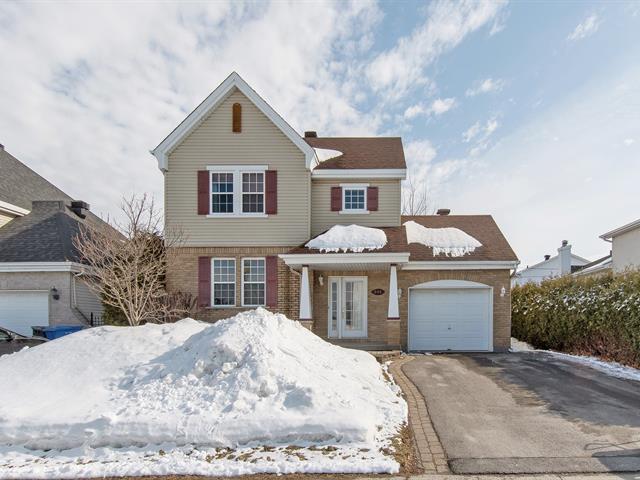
[253, 393]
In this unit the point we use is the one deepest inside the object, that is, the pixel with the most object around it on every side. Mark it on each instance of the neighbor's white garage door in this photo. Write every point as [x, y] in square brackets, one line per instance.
[19, 311]
[457, 319]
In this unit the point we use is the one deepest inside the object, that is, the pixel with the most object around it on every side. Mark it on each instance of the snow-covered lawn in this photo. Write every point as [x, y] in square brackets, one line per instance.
[253, 393]
[610, 368]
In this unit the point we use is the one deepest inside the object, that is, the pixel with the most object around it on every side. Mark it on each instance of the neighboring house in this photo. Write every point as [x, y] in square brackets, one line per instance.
[625, 246]
[254, 199]
[41, 279]
[597, 267]
[564, 263]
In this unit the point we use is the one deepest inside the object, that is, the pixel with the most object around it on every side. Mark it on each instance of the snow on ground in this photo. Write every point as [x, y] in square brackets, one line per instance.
[326, 153]
[450, 241]
[351, 238]
[614, 369]
[253, 393]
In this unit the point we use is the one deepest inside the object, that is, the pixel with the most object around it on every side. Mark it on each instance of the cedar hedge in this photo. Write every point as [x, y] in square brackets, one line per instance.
[597, 316]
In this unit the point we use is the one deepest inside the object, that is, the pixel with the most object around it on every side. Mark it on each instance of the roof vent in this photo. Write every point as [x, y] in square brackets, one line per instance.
[547, 257]
[565, 243]
[80, 208]
[443, 211]
[310, 134]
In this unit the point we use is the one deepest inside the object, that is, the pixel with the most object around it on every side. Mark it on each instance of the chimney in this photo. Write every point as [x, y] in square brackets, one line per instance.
[310, 134]
[80, 208]
[564, 253]
[547, 257]
[443, 211]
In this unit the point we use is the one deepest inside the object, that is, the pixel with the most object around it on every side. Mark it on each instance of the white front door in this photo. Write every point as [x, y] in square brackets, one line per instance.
[348, 307]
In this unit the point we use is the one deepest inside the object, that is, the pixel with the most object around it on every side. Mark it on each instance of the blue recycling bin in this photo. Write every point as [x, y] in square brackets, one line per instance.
[58, 331]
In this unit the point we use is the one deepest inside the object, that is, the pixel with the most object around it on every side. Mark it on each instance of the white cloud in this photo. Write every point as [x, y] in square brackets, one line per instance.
[480, 132]
[488, 85]
[471, 132]
[528, 180]
[585, 28]
[629, 141]
[93, 87]
[397, 70]
[437, 107]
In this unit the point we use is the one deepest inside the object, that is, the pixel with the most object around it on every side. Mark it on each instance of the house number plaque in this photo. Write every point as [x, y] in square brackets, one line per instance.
[377, 291]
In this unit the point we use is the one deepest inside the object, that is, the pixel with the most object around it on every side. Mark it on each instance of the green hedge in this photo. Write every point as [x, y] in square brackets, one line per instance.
[591, 316]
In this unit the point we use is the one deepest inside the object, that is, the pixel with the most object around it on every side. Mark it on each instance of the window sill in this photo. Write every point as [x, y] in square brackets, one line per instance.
[237, 215]
[354, 212]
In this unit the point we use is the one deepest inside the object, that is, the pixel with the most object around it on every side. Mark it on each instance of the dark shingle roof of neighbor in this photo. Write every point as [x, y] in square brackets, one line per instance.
[361, 152]
[19, 185]
[482, 227]
[44, 235]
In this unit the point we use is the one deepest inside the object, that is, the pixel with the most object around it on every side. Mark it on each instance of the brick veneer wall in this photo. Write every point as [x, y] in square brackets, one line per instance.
[494, 278]
[182, 276]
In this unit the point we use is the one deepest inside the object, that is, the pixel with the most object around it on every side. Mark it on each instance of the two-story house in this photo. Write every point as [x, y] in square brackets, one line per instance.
[311, 227]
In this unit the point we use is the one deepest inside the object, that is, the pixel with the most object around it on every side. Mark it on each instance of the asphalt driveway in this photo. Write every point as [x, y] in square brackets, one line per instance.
[529, 412]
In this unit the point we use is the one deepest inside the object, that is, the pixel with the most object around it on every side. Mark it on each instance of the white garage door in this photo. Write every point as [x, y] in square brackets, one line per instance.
[450, 319]
[19, 311]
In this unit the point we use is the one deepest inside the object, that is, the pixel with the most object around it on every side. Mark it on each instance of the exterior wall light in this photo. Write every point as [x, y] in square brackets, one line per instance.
[503, 292]
[54, 293]
[321, 280]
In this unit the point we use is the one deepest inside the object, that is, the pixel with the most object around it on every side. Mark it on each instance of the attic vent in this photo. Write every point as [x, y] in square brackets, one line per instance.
[237, 118]
[443, 211]
[80, 208]
[310, 134]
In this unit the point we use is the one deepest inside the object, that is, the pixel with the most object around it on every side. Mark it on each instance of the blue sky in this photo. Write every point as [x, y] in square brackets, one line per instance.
[529, 111]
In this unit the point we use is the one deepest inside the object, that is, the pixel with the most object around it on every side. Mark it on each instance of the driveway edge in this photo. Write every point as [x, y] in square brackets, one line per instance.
[430, 452]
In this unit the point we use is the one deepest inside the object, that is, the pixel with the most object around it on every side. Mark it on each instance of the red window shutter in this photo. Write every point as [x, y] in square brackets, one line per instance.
[237, 118]
[204, 281]
[336, 199]
[271, 192]
[203, 192]
[271, 264]
[372, 199]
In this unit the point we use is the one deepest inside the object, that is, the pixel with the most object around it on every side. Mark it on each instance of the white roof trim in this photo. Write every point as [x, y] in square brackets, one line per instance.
[12, 209]
[297, 259]
[8, 267]
[438, 284]
[215, 98]
[620, 230]
[338, 173]
[461, 265]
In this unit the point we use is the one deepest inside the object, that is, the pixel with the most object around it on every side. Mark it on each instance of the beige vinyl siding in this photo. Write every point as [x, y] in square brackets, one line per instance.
[85, 300]
[322, 218]
[4, 219]
[259, 143]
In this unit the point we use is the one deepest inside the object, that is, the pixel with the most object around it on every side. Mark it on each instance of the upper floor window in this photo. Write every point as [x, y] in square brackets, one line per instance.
[237, 190]
[354, 198]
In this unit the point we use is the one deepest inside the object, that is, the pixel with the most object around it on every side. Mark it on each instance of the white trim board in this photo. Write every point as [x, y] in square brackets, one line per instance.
[342, 258]
[8, 267]
[461, 265]
[353, 173]
[620, 230]
[12, 209]
[215, 98]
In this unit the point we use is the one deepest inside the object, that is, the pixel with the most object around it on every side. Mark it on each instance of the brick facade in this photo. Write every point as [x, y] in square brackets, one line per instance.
[182, 276]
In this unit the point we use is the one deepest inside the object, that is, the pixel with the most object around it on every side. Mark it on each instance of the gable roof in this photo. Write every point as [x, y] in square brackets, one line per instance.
[215, 98]
[620, 230]
[482, 227]
[44, 235]
[19, 185]
[361, 152]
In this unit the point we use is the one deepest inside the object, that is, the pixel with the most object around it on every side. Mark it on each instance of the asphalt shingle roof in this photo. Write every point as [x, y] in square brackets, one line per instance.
[361, 152]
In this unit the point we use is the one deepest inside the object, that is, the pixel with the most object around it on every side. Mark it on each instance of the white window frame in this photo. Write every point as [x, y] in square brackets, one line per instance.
[235, 282]
[237, 171]
[264, 282]
[354, 186]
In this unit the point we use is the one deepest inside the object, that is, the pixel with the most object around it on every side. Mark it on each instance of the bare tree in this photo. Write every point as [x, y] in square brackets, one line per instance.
[415, 198]
[128, 263]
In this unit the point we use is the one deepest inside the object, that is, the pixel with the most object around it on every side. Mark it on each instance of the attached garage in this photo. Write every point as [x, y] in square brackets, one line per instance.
[20, 310]
[450, 315]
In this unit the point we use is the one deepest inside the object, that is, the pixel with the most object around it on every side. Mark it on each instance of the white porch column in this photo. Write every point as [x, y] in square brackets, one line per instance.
[394, 311]
[305, 295]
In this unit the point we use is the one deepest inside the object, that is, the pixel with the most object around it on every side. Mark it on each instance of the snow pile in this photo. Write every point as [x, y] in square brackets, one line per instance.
[257, 379]
[326, 154]
[450, 241]
[352, 238]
